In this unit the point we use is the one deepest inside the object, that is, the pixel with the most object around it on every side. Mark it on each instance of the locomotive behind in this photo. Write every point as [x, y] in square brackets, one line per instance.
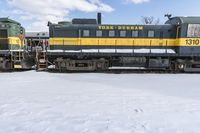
[12, 46]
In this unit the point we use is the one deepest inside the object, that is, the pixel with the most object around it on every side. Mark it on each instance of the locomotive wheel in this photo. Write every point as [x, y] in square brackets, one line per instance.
[6, 65]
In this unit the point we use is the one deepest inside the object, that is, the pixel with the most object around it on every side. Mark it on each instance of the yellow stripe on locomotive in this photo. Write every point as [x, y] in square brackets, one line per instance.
[114, 42]
[12, 42]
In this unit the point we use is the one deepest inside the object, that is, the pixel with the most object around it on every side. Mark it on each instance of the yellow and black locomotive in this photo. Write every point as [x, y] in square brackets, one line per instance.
[86, 44]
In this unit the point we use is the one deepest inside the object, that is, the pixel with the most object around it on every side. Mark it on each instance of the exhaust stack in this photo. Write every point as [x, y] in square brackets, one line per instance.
[99, 18]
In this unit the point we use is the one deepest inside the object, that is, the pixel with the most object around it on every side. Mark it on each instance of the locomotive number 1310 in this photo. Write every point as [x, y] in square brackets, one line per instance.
[192, 42]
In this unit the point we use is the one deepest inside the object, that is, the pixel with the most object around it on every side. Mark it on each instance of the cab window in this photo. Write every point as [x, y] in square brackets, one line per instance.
[193, 30]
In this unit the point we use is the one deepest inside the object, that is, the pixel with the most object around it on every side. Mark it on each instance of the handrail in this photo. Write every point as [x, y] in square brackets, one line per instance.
[133, 46]
[166, 46]
[150, 45]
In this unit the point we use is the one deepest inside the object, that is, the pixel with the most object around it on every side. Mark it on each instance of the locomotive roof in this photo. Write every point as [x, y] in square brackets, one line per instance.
[94, 26]
[171, 21]
[7, 20]
[183, 20]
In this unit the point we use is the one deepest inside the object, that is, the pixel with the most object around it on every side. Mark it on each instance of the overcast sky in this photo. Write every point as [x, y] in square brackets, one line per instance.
[34, 14]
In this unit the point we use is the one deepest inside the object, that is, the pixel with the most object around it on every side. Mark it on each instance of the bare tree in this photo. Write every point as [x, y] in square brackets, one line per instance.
[150, 20]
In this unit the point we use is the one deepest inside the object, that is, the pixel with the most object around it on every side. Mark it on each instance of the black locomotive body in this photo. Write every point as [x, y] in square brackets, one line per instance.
[88, 45]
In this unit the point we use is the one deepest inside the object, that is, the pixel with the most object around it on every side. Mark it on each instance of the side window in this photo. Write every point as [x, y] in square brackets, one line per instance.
[3, 25]
[86, 33]
[111, 33]
[135, 33]
[123, 33]
[151, 33]
[99, 33]
[3, 33]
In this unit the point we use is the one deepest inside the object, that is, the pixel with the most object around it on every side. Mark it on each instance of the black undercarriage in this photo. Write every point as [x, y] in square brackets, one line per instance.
[108, 62]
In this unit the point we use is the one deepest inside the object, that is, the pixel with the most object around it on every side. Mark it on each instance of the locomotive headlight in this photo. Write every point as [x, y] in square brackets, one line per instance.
[21, 31]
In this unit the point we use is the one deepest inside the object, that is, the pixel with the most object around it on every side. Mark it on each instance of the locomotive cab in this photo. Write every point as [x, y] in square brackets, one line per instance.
[188, 35]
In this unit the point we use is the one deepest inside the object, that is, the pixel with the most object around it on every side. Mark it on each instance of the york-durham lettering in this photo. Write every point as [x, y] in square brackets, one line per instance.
[111, 27]
[106, 27]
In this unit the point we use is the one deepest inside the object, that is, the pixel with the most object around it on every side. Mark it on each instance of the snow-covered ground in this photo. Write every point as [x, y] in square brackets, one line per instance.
[32, 102]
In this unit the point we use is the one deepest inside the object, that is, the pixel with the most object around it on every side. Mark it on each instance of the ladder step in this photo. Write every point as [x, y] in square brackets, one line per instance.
[42, 64]
[41, 61]
[17, 66]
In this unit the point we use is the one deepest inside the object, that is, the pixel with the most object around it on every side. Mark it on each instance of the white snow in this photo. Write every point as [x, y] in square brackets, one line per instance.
[126, 68]
[17, 50]
[170, 51]
[41, 102]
